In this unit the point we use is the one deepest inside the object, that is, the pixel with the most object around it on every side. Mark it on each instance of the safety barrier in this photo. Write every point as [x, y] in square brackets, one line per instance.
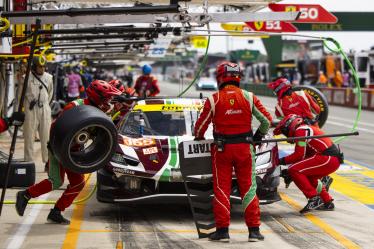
[346, 97]
[334, 95]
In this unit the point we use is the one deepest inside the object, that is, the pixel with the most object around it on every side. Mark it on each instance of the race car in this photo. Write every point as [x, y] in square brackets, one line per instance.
[146, 163]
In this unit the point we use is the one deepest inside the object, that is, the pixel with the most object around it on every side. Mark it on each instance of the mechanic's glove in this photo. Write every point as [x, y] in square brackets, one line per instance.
[120, 98]
[282, 161]
[17, 118]
[198, 138]
[287, 178]
[258, 136]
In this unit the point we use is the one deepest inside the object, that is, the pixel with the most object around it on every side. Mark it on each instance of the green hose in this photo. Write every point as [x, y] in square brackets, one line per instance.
[202, 66]
[356, 90]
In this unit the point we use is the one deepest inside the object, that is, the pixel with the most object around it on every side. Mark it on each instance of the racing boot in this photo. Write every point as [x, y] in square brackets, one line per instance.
[55, 216]
[221, 234]
[23, 198]
[326, 181]
[254, 234]
[328, 206]
[313, 203]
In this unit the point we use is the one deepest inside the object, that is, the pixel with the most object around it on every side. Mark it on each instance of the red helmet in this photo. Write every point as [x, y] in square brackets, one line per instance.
[288, 125]
[100, 93]
[117, 84]
[280, 85]
[228, 72]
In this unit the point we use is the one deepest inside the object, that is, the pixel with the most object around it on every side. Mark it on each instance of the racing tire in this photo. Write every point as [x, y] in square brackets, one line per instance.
[83, 139]
[320, 100]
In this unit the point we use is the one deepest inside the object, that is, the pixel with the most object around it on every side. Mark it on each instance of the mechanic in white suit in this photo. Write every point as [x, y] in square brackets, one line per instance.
[39, 95]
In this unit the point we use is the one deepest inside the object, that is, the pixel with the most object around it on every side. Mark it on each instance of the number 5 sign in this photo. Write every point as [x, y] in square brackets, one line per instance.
[310, 13]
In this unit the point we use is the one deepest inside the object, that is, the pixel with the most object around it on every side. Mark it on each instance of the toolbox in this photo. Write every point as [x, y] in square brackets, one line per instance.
[22, 174]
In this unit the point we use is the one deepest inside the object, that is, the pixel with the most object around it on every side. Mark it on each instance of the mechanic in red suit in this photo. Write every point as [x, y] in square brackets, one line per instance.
[123, 103]
[99, 94]
[230, 110]
[312, 159]
[293, 102]
[146, 85]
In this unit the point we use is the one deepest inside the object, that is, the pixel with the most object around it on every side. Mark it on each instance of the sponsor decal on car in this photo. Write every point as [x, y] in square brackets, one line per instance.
[138, 142]
[167, 107]
[151, 150]
[123, 171]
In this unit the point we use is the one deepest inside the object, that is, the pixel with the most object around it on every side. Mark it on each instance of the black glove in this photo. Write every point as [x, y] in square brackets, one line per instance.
[282, 161]
[287, 178]
[258, 136]
[17, 118]
[122, 98]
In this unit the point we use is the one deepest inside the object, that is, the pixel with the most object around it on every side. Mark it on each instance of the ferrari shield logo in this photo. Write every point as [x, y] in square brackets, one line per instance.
[232, 101]
[259, 25]
[290, 9]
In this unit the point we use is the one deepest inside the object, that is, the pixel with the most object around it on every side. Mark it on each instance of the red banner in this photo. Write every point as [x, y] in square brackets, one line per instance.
[272, 26]
[310, 13]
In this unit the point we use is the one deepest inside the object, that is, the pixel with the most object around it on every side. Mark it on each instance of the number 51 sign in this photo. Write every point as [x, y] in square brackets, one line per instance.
[310, 13]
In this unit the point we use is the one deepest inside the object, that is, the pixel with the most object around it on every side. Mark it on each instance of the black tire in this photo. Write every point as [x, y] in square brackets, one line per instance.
[320, 100]
[88, 129]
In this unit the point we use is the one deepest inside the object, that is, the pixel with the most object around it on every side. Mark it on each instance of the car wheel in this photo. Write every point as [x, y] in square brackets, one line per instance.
[320, 100]
[83, 139]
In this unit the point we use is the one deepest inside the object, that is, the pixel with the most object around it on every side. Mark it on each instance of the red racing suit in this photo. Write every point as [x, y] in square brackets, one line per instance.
[3, 125]
[147, 83]
[308, 164]
[230, 110]
[56, 174]
[299, 103]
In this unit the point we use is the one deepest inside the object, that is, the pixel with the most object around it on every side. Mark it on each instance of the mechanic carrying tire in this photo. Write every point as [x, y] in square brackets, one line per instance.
[146, 85]
[230, 110]
[82, 122]
[298, 100]
[312, 159]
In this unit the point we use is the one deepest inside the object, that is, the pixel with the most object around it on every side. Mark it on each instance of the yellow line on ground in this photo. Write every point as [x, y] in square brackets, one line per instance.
[119, 244]
[354, 190]
[321, 224]
[72, 235]
[287, 226]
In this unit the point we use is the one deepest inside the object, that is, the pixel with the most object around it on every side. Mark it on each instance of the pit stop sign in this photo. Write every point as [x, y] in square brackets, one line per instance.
[272, 26]
[310, 13]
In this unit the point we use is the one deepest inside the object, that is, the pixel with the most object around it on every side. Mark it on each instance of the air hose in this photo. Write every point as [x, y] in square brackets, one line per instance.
[356, 90]
[202, 66]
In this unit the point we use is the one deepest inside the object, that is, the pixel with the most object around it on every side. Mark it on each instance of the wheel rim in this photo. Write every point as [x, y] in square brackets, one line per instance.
[90, 146]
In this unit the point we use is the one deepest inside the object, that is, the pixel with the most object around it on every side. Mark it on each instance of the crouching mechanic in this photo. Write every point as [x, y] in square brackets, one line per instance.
[99, 94]
[296, 102]
[230, 110]
[312, 159]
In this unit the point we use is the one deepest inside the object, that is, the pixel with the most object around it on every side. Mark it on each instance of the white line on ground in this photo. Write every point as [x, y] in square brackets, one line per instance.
[349, 126]
[350, 121]
[16, 241]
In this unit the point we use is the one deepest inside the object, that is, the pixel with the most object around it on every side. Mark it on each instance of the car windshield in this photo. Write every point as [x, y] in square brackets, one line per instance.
[160, 123]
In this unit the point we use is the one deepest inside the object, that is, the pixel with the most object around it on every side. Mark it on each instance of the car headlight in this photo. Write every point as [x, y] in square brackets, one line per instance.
[124, 160]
